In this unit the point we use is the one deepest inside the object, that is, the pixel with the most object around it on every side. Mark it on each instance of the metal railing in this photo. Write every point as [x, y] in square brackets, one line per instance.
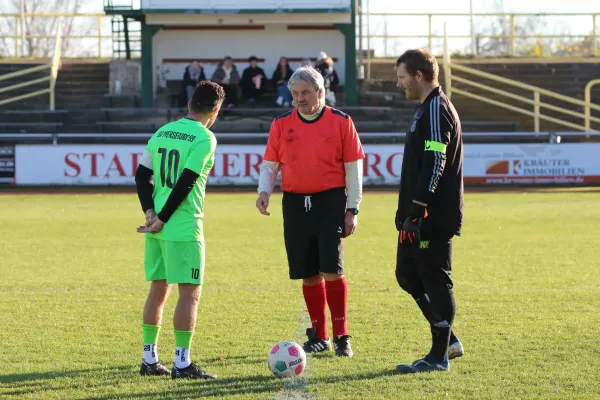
[537, 92]
[511, 37]
[118, 5]
[53, 66]
[99, 35]
[76, 138]
[588, 101]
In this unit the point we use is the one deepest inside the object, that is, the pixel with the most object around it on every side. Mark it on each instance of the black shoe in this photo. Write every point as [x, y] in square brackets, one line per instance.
[342, 347]
[315, 344]
[191, 372]
[154, 369]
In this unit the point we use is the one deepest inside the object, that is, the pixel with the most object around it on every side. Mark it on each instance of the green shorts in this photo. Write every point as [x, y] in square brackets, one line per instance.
[175, 262]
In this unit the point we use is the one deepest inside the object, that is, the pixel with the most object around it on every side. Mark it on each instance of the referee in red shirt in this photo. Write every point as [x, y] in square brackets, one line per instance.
[320, 156]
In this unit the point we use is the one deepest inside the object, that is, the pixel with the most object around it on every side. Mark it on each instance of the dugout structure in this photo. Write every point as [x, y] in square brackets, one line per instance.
[174, 32]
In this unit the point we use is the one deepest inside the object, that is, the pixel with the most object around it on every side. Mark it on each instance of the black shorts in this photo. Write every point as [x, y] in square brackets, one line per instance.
[313, 227]
[431, 260]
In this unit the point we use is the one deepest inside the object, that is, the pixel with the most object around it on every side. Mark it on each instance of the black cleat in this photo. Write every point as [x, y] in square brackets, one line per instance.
[191, 372]
[154, 369]
[342, 347]
[315, 344]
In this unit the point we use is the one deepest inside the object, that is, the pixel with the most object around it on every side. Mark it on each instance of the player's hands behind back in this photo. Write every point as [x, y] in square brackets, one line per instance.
[153, 224]
[262, 203]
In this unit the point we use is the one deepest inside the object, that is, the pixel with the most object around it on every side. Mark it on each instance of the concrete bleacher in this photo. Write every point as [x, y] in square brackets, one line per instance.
[79, 94]
[565, 78]
[31, 103]
[232, 120]
[84, 105]
[32, 121]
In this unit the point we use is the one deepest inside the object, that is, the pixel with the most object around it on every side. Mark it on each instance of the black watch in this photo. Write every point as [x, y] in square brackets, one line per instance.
[352, 210]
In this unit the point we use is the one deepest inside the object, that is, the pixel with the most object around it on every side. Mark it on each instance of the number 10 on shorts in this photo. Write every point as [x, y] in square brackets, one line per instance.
[195, 273]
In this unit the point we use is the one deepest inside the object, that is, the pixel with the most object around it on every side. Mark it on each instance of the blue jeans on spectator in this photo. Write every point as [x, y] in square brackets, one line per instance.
[283, 92]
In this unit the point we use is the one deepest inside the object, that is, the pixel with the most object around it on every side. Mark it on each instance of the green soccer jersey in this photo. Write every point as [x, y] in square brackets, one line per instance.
[182, 144]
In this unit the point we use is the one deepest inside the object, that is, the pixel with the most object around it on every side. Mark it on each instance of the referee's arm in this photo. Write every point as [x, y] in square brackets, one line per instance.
[353, 155]
[271, 165]
[436, 139]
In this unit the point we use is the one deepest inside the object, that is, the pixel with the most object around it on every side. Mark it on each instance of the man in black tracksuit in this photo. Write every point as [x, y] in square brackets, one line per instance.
[430, 206]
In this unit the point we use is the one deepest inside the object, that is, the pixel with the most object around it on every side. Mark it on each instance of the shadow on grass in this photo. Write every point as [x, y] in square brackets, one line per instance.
[100, 380]
[249, 359]
[253, 385]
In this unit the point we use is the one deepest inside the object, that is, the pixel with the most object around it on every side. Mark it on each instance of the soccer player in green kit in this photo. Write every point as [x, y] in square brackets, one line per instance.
[178, 159]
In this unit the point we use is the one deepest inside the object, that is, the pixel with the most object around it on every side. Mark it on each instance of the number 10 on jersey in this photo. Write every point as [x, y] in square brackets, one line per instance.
[169, 167]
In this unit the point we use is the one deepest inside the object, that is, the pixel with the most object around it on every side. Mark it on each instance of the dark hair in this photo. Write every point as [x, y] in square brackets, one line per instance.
[228, 58]
[420, 60]
[206, 97]
[252, 58]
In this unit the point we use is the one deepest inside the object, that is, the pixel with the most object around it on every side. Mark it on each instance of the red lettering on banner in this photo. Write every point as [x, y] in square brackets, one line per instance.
[93, 162]
[227, 164]
[372, 164]
[71, 161]
[389, 164]
[115, 165]
[135, 161]
[250, 166]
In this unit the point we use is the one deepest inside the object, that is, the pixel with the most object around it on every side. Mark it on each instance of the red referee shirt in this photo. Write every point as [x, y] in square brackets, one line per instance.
[312, 153]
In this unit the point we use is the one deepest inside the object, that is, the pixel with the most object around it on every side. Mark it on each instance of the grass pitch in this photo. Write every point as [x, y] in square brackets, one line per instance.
[527, 283]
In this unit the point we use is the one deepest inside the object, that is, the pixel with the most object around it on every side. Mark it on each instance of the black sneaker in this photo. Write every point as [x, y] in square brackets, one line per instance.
[154, 369]
[191, 372]
[341, 344]
[315, 344]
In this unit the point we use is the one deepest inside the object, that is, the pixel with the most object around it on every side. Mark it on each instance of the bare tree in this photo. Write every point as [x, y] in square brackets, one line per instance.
[40, 31]
[493, 33]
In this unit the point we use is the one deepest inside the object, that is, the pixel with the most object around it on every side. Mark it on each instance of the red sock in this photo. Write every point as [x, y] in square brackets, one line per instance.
[317, 308]
[337, 298]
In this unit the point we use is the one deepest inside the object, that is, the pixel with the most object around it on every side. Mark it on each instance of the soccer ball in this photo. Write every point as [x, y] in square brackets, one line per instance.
[287, 359]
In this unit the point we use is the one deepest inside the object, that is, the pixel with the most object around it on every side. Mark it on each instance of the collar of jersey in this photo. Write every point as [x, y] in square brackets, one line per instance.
[312, 121]
[434, 92]
[193, 120]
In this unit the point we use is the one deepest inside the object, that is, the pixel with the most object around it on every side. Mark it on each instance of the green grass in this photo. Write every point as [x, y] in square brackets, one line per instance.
[526, 278]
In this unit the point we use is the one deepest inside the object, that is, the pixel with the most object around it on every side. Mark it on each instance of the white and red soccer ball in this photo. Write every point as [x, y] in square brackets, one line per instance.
[287, 359]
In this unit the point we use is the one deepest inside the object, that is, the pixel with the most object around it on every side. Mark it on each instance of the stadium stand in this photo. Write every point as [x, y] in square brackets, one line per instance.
[568, 79]
[84, 105]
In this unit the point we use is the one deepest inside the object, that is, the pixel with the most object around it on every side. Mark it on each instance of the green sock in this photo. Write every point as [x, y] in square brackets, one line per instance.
[183, 343]
[150, 333]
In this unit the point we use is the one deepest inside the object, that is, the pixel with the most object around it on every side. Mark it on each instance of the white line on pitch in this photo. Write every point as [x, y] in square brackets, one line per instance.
[297, 388]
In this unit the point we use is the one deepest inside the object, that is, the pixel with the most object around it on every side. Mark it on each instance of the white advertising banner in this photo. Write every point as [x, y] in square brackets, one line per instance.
[239, 164]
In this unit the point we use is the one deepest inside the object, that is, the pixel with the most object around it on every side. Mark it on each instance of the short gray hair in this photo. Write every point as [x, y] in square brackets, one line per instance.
[310, 75]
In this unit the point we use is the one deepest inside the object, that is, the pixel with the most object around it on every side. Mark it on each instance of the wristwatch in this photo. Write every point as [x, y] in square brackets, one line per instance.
[352, 210]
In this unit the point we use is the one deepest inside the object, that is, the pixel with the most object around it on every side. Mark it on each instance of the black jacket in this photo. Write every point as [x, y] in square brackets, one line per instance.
[187, 77]
[432, 168]
[278, 76]
[249, 73]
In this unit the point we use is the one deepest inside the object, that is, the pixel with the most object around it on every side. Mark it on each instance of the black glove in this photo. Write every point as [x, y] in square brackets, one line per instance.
[411, 227]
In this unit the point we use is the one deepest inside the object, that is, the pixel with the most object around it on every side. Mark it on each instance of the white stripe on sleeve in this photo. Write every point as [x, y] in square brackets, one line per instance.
[436, 135]
[354, 175]
[268, 176]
